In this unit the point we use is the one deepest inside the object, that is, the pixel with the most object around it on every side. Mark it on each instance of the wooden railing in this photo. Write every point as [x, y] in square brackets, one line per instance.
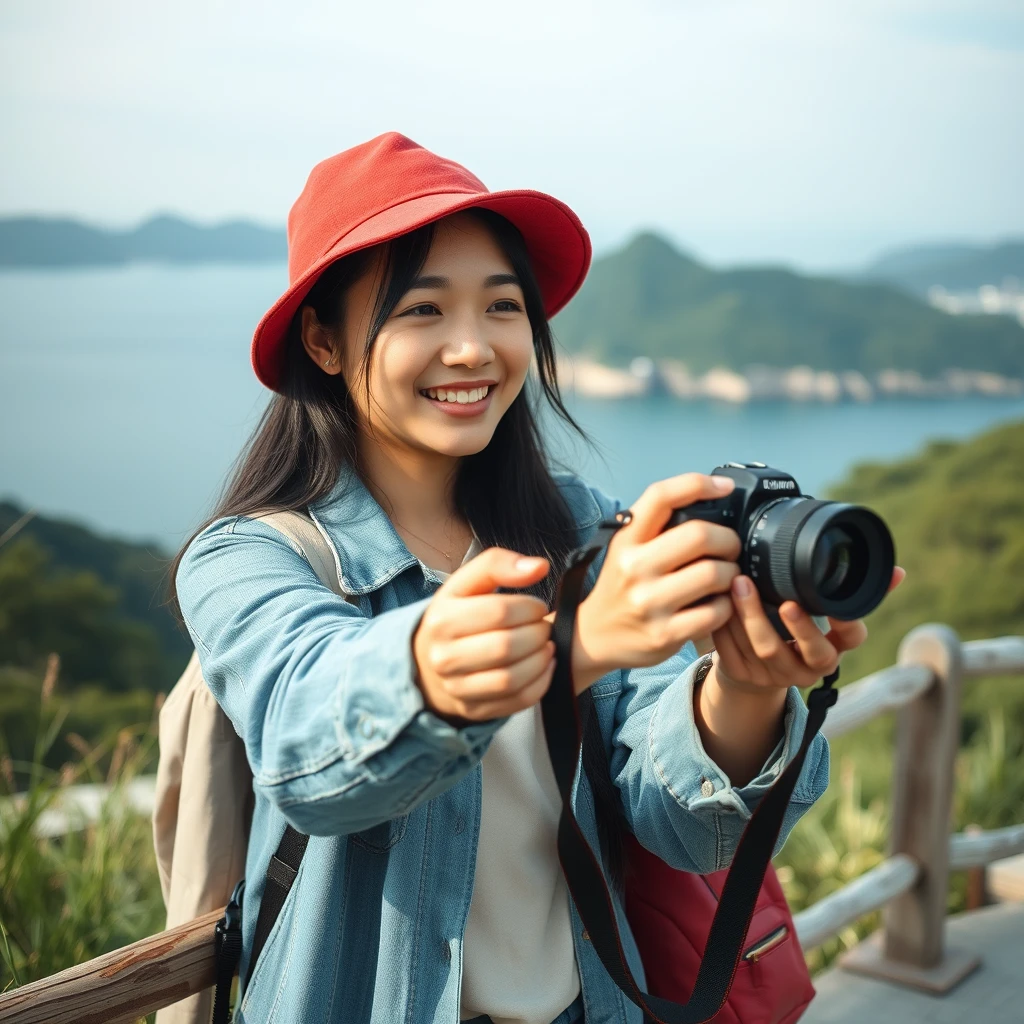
[911, 884]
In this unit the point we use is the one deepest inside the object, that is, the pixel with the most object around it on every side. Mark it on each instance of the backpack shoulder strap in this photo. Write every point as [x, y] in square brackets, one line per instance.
[304, 533]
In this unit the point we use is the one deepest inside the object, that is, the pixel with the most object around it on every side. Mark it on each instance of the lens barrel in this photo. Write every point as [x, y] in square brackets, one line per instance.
[832, 558]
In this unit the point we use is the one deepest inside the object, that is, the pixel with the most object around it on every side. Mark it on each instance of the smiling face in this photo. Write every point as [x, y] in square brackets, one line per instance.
[453, 355]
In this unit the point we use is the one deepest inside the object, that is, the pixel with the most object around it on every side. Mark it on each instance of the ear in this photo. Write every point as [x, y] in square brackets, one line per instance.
[318, 343]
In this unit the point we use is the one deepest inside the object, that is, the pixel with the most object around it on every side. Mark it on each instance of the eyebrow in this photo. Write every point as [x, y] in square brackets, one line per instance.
[437, 281]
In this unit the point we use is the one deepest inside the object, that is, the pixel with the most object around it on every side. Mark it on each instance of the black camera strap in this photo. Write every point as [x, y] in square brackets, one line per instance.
[582, 869]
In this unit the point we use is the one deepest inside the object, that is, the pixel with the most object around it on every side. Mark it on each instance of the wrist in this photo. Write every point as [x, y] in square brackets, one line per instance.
[741, 701]
[737, 727]
[587, 665]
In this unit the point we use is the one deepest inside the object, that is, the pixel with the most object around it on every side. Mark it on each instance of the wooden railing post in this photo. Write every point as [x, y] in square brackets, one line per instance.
[912, 949]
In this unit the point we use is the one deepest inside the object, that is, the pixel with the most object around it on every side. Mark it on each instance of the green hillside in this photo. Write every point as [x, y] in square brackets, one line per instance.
[124, 583]
[956, 511]
[650, 299]
[96, 602]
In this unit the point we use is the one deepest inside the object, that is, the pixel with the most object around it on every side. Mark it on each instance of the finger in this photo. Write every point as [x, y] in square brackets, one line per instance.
[704, 644]
[733, 636]
[815, 649]
[482, 651]
[529, 695]
[845, 636]
[678, 589]
[482, 613]
[728, 648]
[653, 508]
[493, 568]
[765, 642]
[700, 620]
[504, 682]
[685, 543]
[899, 574]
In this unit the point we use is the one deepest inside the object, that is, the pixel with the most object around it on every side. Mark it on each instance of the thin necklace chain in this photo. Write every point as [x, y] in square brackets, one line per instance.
[419, 538]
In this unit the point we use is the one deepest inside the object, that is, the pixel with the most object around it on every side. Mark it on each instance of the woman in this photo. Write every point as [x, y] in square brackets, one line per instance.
[400, 728]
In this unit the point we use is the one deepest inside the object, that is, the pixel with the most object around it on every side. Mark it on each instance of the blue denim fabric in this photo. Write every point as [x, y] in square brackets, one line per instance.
[342, 747]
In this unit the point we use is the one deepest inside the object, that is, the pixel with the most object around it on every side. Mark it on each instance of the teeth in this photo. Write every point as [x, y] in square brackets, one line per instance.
[462, 397]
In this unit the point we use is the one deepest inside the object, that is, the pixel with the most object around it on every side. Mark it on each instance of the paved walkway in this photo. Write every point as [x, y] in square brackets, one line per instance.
[993, 994]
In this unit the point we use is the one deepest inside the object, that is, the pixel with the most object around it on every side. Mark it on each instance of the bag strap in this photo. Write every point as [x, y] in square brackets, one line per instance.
[284, 864]
[312, 544]
[583, 873]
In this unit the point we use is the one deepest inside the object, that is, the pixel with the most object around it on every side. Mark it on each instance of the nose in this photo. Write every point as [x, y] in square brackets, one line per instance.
[467, 345]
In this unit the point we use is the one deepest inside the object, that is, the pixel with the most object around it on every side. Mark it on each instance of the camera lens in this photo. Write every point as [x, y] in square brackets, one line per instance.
[832, 560]
[830, 557]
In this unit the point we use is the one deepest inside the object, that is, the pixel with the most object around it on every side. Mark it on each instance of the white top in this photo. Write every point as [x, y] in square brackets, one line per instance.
[518, 961]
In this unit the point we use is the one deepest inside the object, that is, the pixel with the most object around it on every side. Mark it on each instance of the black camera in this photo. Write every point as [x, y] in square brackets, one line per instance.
[830, 557]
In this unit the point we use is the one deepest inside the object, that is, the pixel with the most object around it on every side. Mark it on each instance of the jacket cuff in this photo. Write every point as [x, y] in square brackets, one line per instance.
[370, 719]
[696, 781]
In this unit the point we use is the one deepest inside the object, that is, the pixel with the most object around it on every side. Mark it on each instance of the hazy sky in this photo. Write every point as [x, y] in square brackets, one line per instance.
[810, 131]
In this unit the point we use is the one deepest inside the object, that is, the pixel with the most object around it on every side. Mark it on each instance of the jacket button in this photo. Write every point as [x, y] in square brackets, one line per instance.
[586, 935]
[707, 787]
[460, 825]
[366, 726]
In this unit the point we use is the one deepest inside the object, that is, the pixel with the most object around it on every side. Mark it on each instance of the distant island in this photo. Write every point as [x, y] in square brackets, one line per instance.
[63, 242]
[652, 319]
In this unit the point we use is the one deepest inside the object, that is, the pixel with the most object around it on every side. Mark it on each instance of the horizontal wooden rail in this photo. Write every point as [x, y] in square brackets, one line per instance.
[886, 690]
[120, 987]
[870, 892]
[974, 850]
[1002, 655]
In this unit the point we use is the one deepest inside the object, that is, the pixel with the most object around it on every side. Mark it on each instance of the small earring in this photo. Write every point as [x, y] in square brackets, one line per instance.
[327, 362]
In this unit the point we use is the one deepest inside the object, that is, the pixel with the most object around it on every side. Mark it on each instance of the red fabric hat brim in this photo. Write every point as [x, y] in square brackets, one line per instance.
[556, 240]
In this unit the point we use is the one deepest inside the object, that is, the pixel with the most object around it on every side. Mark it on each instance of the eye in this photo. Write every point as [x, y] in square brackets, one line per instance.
[423, 309]
[506, 306]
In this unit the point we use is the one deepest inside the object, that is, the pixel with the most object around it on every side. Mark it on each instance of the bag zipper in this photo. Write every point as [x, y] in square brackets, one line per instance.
[764, 945]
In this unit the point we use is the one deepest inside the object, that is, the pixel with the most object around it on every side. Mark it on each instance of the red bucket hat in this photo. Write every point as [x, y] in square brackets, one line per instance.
[386, 187]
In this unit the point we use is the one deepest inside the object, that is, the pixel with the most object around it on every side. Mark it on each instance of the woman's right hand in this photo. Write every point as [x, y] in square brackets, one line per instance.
[481, 655]
[643, 607]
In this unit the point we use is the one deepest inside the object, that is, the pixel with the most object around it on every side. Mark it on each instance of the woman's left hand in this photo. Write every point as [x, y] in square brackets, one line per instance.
[752, 657]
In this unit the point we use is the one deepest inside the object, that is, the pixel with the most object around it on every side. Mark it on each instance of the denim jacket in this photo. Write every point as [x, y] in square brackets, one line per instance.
[341, 746]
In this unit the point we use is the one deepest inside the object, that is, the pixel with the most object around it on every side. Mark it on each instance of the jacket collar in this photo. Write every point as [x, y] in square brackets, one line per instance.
[368, 550]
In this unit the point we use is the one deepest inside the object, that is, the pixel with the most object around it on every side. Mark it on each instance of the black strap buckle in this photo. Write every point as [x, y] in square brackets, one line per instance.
[825, 695]
[231, 922]
[822, 698]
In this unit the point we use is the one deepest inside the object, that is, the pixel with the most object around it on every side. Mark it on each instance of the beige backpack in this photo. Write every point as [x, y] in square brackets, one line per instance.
[203, 803]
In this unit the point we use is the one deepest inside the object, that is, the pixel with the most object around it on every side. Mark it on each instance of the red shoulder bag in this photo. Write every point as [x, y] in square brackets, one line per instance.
[670, 913]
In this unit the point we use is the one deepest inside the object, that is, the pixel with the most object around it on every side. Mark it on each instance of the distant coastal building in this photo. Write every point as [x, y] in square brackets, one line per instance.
[1004, 300]
[644, 377]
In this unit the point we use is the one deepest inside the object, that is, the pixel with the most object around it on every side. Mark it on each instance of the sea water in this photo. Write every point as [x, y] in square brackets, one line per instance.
[126, 394]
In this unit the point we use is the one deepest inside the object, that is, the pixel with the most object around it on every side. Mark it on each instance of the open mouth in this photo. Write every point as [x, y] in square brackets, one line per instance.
[460, 397]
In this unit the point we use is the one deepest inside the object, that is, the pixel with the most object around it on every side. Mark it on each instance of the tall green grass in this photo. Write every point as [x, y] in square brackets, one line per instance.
[67, 899]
